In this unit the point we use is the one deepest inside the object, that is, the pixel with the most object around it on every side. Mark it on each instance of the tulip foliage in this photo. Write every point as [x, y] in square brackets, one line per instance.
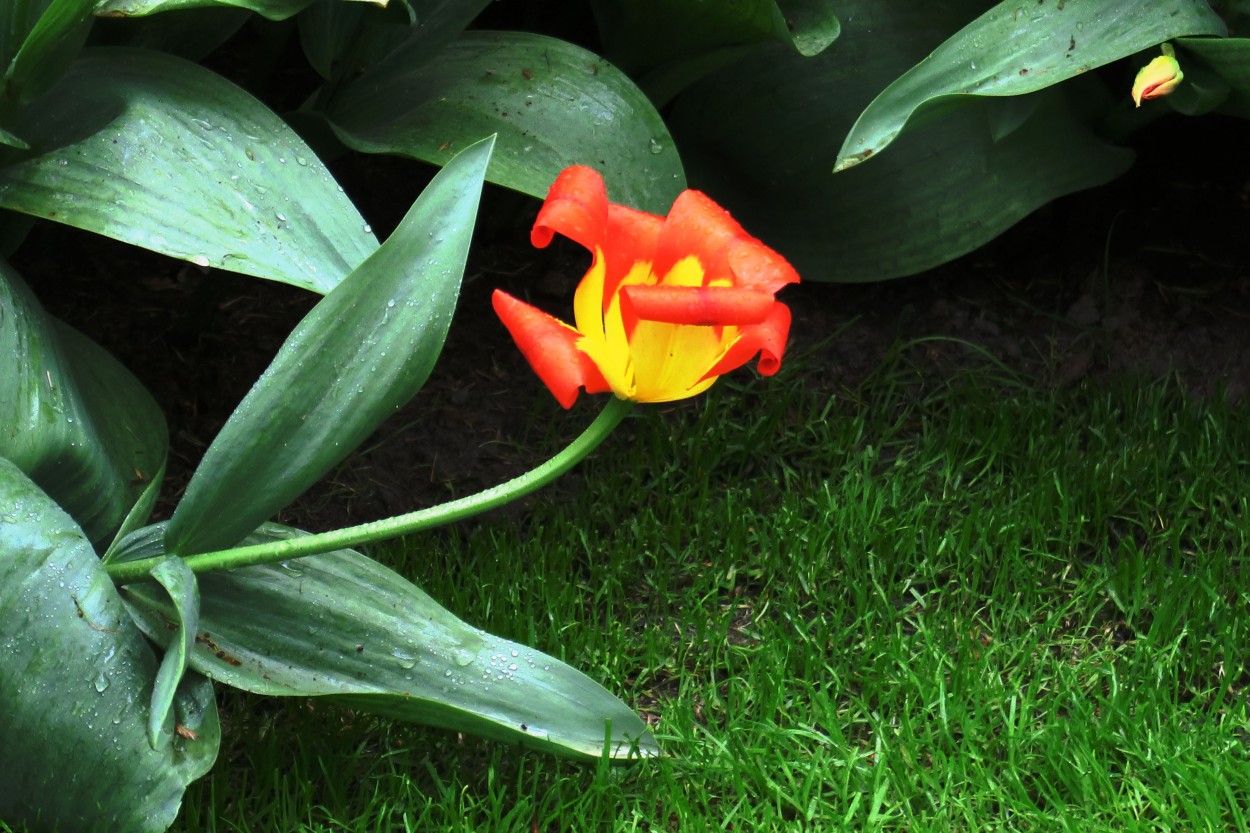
[862, 140]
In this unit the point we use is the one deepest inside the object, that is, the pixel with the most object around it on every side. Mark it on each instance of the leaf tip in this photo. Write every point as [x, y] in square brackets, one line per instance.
[852, 160]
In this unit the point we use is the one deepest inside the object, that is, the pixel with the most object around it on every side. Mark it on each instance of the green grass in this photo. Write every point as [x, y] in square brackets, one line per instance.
[963, 603]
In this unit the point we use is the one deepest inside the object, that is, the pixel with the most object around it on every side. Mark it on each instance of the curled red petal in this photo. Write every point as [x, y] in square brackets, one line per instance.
[768, 338]
[576, 206]
[550, 347]
[705, 306]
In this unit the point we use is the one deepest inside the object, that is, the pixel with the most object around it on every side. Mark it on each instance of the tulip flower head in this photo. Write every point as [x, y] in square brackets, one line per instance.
[669, 304]
[1157, 78]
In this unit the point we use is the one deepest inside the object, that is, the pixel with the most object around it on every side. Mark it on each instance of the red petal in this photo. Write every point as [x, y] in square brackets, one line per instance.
[767, 338]
[697, 226]
[550, 347]
[755, 265]
[576, 206]
[706, 306]
[632, 238]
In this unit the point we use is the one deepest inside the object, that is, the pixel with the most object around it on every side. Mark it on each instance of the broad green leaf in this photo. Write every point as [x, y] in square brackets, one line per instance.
[48, 49]
[359, 355]
[1228, 58]
[343, 626]
[1017, 48]
[176, 578]
[191, 33]
[76, 679]
[159, 152]
[72, 418]
[552, 104]
[668, 44]
[760, 137]
[272, 9]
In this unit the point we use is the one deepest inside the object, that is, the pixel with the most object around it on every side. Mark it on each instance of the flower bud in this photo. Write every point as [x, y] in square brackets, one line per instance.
[1159, 77]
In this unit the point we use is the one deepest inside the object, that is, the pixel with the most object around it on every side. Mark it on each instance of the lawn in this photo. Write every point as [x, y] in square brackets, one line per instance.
[960, 603]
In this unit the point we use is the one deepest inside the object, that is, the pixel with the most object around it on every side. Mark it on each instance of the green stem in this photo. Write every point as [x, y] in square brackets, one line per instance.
[616, 410]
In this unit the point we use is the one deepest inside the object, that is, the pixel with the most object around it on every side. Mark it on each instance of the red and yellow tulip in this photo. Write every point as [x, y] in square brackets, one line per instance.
[669, 303]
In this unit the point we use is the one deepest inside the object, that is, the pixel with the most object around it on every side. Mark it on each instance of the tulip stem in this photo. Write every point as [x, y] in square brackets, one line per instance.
[616, 410]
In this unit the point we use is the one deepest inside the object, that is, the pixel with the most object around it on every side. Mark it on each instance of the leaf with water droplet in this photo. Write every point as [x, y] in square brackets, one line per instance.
[125, 157]
[1018, 56]
[179, 582]
[579, 107]
[299, 638]
[74, 417]
[305, 415]
[78, 675]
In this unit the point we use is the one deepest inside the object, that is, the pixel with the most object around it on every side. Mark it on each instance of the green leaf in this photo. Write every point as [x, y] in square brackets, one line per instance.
[176, 577]
[48, 49]
[343, 40]
[156, 151]
[1229, 58]
[1017, 48]
[552, 104]
[272, 9]
[13, 141]
[75, 685]
[668, 44]
[72, 418]
[141, 511]
[760, 137]
[359, 355]
[345, 627]
[192, 33]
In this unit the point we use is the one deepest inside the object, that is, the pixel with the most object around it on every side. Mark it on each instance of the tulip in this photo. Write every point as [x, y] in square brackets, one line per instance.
[669, 303]
[1157, 78]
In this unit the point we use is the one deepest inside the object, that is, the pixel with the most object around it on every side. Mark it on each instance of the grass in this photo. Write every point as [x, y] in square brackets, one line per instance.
[961, 603]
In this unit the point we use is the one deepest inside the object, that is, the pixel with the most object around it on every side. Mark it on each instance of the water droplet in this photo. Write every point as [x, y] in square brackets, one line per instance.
[281, 217]
[463, 657]
[101, 682]
[201, 261]
[299, 160]
[405, 660]
[656, 147]
[367, 229]
[390, 304]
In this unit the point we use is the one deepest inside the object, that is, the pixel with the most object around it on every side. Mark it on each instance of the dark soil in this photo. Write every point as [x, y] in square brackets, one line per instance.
[1147, 276]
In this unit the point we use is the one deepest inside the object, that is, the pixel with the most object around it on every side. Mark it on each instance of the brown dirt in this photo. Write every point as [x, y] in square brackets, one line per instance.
[1150, 276]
